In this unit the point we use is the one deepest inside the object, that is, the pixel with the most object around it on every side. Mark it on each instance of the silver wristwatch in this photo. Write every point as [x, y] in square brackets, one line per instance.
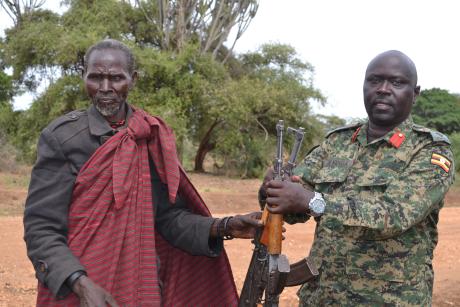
[317, 205]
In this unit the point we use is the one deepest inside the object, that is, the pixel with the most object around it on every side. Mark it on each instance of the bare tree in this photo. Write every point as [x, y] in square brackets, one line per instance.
[209, 21]
[16, 9]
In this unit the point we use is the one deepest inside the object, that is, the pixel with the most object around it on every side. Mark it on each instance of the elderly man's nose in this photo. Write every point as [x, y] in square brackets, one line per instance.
[105, 85]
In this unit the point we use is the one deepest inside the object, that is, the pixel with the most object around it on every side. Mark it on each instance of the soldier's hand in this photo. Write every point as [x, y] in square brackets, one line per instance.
[287, 197]
[244, 226]
[262, 195]
[91, 294]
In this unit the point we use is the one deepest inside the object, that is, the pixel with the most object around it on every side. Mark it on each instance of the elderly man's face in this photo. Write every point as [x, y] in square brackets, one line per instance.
[389, 90]
[108, 81]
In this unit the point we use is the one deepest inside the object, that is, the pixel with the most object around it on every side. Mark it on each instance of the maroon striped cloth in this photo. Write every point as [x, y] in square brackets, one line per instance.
[111, 226]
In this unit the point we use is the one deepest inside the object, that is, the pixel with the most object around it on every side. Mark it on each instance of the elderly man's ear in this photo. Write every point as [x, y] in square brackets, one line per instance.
[134, 77]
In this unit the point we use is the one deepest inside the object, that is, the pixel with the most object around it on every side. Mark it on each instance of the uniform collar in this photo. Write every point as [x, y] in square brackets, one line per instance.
[398, 137]
[98, 125]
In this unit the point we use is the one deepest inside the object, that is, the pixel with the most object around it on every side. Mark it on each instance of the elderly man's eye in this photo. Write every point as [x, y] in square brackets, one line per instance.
[94, 77]
[116, 78]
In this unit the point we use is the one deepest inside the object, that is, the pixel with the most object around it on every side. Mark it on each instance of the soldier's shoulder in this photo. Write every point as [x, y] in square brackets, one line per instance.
[350, 127]
[432, 135]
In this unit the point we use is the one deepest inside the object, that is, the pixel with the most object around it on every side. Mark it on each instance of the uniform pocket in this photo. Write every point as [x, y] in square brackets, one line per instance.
[379, 266]
[386, 260]
[372, 186]
[333, 174]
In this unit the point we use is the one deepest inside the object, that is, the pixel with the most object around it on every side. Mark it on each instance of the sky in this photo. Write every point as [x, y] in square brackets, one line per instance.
[339, 38]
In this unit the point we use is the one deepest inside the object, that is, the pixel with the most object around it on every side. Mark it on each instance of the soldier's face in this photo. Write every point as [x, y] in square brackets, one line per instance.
[389, 90]
[108, 81]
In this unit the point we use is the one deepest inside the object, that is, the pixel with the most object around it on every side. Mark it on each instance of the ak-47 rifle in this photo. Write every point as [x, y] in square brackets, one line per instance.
[269, 270]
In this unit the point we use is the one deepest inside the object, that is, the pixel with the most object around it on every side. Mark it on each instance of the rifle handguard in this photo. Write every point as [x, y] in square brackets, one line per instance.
[272, 235]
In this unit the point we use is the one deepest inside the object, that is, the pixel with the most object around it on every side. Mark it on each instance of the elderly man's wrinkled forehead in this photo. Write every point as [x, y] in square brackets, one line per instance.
[111, 44]
[395, 57]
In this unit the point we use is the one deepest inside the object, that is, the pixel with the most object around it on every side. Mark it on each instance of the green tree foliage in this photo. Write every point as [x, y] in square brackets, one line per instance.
[8, 121]
[219, 106]
[273, 83]
[455, 140]
[438, 109]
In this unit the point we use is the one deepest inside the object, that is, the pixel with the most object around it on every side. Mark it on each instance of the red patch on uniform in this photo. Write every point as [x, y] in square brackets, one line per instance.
[397, 139]
[355, 135]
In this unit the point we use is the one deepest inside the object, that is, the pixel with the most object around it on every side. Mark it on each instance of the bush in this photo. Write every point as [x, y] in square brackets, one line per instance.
[455, 139]
[8, 156]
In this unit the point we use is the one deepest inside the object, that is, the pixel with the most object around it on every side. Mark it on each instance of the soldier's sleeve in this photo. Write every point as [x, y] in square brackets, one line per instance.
[407, 200]
[307, 170]
[45, 216]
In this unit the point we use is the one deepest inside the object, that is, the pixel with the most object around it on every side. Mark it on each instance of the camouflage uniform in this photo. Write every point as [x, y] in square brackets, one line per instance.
[374, 243]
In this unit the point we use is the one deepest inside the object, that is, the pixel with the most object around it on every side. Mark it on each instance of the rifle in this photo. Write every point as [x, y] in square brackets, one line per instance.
[269, 270]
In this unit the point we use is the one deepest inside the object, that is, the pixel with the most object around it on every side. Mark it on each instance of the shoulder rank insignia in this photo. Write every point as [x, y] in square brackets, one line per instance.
[440, 161]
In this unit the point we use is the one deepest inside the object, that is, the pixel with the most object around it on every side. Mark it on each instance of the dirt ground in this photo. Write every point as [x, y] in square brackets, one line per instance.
[224, 197]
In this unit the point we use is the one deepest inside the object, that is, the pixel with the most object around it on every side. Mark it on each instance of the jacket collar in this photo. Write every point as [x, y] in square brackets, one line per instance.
[403, 130]
[98, 125]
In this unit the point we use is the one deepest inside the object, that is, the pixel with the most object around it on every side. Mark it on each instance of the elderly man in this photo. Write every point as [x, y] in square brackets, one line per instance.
[375, 190]
[111, 216]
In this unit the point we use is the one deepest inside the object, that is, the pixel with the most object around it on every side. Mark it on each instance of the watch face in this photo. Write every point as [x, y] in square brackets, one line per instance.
[317, 206]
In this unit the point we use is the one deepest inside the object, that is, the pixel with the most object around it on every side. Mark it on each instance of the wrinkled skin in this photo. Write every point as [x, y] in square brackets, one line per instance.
[90, 294]
[244, 226]
[108, 82]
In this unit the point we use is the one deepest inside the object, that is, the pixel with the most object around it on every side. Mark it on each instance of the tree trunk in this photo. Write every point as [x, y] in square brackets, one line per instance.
[206, 145]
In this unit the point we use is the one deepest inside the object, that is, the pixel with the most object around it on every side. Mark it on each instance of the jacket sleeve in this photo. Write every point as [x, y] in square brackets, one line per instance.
[408, 199]
[45, 216]
[181, 227]
[307, 170]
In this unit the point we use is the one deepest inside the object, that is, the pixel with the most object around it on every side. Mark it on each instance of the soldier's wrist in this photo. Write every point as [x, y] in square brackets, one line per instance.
[306, 201]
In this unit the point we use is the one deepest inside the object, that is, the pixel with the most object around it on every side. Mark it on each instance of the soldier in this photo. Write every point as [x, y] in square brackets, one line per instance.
[375, 190]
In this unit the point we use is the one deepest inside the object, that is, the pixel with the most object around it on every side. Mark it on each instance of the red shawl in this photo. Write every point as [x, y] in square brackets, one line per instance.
[111, 226]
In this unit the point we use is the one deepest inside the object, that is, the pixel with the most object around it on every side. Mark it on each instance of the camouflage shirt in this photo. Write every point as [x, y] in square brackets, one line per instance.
[374, 243]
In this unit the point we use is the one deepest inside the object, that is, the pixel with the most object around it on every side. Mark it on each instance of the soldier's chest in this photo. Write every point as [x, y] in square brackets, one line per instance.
[360, 168]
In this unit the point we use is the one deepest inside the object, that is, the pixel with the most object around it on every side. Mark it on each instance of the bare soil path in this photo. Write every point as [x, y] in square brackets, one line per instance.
[224, 197]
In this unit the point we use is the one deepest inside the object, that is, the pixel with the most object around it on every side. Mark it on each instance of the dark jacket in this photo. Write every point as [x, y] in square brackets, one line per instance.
[63, 148]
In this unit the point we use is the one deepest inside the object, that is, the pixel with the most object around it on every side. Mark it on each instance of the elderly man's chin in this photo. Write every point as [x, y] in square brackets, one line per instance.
[107, 110]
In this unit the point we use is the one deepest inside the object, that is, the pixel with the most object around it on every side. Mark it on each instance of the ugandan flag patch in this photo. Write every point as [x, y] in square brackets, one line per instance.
[441, 161]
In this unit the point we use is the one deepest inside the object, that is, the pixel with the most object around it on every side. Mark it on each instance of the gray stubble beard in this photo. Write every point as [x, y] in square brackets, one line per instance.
[108, 110]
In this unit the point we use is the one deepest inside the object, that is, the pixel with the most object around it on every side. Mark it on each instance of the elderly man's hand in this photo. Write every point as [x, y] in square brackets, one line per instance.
[244, 226]
[91, 294]
[285, 197]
